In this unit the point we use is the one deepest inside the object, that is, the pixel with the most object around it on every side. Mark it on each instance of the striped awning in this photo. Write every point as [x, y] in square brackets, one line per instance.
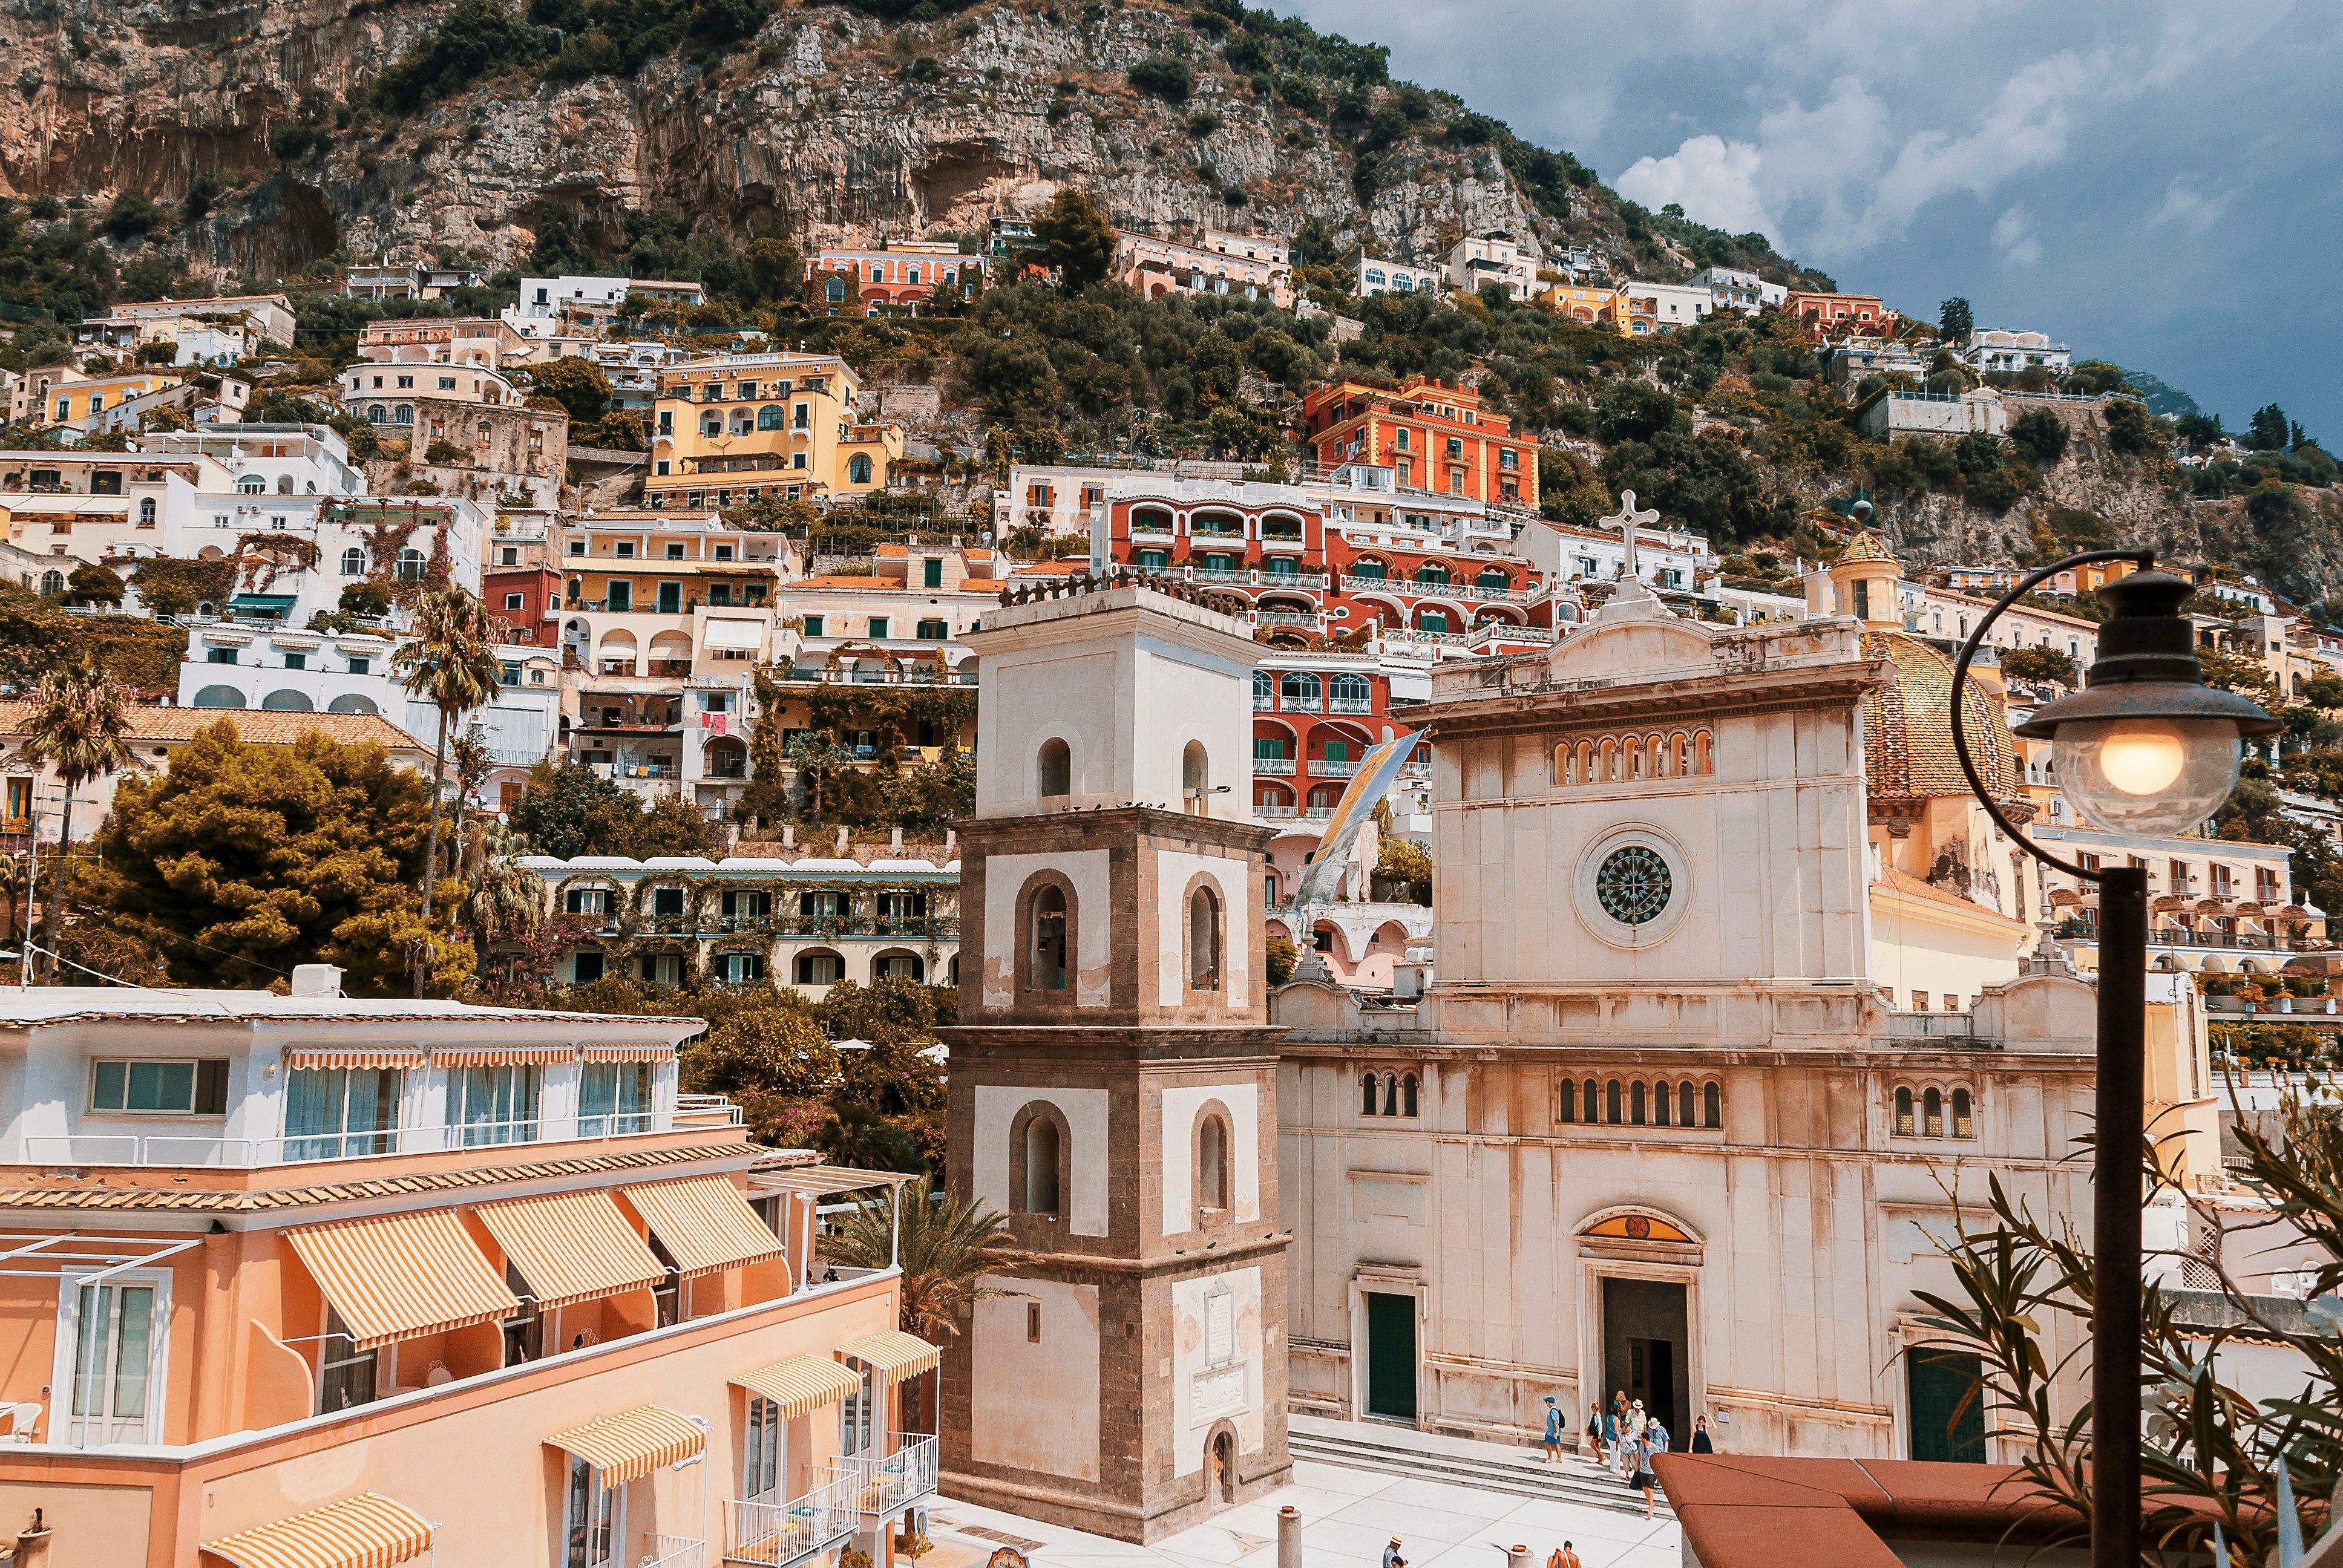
[398, 1276]
[366, 1531]
[650, 1051]
[571, 1246]
[704, 1223]
[353, 1058]
[821, 1180]
[801, 1384]
[632, 1444]
[502, 1055]
[895, 1354]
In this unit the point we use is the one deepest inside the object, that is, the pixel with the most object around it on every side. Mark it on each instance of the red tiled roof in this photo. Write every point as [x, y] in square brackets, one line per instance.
[257, 726]
[1737, 1511]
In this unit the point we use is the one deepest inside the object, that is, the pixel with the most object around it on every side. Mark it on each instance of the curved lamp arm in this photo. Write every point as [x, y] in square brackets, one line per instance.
[2144, 560]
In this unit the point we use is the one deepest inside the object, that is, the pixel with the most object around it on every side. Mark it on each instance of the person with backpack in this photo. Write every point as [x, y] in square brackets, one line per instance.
[1656, 1441]
[1553, 1430]
[1595, 1431]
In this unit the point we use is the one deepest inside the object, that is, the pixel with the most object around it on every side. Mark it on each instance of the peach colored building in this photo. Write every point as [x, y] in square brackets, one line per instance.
[300, 1280]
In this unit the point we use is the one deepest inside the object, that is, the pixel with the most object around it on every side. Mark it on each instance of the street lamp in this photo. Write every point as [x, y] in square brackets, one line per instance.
[2146, 747]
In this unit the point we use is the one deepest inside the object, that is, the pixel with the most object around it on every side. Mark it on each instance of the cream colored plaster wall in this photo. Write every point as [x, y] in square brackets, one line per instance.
[1183, 1107]
[1004, 877]
[1085, 1110]
[1209, 1387]
[1055, 1376]
[1174, 871]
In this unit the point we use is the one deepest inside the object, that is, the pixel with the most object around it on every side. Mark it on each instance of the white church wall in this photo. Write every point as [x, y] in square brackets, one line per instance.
[1173, 873]
[1058, 1372]
[1216, 1364]
[1183, 1107]
[1085, 1110]
[1005, 877]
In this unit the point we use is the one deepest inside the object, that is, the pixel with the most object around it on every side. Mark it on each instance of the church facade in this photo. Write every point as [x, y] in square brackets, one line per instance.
[1662, 1125]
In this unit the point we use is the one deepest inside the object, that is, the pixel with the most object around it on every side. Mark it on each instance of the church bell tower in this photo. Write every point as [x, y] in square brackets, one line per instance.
[1113, 1072]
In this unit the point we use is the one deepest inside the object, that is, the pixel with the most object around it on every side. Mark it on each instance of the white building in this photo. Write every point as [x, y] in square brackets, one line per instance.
[1377, 275]
[1899, 412]
[1497, 258]
[1735, 289]
[1666, 307]
[549, 304]
[1994, 348]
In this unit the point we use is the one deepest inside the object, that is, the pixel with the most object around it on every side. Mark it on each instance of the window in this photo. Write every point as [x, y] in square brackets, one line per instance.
[1905, 1125]
[1711, 1113]
[1055, 768]
[1043, 1151]
[1033, 1322]
[1048, 971]
[1684, 1102]
[619, 593]
[667, 901]
[1932, 1114]
[115, 1353]
[934, 630]
[345, 1374]
[878, 628]
[740, 969]
[183, 1087]
[497, 1104]
[1213, 1164]
[858, 469]
[772, 417]
[821, 969]
[593, 1518]
[761, 1469]
[1636, 1104]
[360, 666]
[1393, 1094]
[410, 564]
[1566, 1103]
[857, 1413]
[1610, 1102]
[211, 656]
[1204, 940]
[748, 903]
[813, 626]
[146, 512]
[1963, 1114]
[1298, 692]
[588, 901]
[613, 1098]
[931, 572]
[337, 1114]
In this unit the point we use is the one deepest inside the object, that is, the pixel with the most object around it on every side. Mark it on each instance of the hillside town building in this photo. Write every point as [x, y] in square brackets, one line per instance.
[1509, 261]
[1224, 264]
[1434, 436]
[904, 275]
[732, 427]
[1377, 275]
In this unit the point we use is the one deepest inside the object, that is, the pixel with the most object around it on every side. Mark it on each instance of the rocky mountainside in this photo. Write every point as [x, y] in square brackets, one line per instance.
[827, 121]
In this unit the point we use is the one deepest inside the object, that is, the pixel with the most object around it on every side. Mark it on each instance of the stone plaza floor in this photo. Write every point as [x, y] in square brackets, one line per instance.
[1348, 1513]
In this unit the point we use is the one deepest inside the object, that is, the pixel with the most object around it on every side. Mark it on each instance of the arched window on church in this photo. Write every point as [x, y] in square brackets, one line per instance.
[1046, 970]
[1391, 1094]
[1054, 769]
[1041, 1153]
[1711, 1109]
[1585, 762]
[1566, 1103]
[1659, 1106]
[1196, 774]
[1964, 1118]
[1634, 760]
[1607, 758]
[1686, 1102]
[1656, 752]
[1369, 1101]
[1704, 759]
[1407, 1092]
[1904, 1128]
[1635, 1108]
[1610, 1102]
[1204, 940]
[1679, 753]
[1213, 1164]
[1932, 1114]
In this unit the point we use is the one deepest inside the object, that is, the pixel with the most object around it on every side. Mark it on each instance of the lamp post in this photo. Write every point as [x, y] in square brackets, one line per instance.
[2146, 747]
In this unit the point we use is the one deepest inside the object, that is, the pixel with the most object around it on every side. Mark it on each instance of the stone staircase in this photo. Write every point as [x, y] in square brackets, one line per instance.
[1463, 1462]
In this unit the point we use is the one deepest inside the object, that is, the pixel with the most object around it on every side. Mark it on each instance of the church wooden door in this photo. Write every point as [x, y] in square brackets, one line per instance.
[1390, 1355]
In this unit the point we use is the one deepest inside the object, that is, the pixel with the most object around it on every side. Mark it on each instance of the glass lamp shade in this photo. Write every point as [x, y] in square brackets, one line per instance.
[2161, 776]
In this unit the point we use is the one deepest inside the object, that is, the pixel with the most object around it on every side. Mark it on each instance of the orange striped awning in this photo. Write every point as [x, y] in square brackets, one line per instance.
[324, 1057]
[571, 1246]
[502, 1055]
[821, 1180]
[395, 1276]
[632, 1444]
[650, 1051]
[801, 1384]
[704, 1223]
[366, 1531]
[895, 1354]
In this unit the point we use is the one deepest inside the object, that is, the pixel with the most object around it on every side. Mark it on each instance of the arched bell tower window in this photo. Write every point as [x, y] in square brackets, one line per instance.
[1213, 1163]
[1055, 770]
[1204, 940]
[1042, 1153]
[1195, 775]
[1047, 968]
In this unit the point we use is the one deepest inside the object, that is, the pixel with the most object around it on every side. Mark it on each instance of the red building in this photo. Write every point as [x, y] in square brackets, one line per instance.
[895, 277]
[1327, 560]
[1434, 436]
[1837, 314]
[526, 601]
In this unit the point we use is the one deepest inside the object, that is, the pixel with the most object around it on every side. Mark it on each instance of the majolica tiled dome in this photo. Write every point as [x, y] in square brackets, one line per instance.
[1908, 727]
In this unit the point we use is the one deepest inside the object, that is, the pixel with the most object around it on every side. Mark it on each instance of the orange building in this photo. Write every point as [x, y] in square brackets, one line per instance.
[301, 1279]
[1435, 437]
[1837, 315]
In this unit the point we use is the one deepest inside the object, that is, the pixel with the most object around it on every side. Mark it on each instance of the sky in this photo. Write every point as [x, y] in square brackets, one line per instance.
[2158, 183]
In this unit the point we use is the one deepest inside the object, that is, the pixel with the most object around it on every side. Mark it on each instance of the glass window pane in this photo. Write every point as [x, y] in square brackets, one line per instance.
[134, 1345]
[162, 1086]
[93, 1306]
[106, 1091]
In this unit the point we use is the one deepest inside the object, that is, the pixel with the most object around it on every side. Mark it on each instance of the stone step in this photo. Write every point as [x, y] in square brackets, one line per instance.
[1487, 1467]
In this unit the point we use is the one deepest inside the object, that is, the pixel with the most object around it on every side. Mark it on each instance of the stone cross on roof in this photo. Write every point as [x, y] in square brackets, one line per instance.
[1628, 520]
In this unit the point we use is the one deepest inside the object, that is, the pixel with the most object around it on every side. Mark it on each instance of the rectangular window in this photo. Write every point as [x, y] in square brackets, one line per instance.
[497, 1104]
[115, 1351]
[674, 551]
[931, 572]
[360, 666]
[593, 1515]
[618, 595]
[761, 1466]
[345, 1373]
[666, 424]
[856, 1413]
[813, 626]
[670, 599]
[934, 630]
[801, 417]
[624, 549]
[337, 1114]
[297, 661]
[512, 601]
[220, 656]
[667, 900]
[589, 966]
[878, 628]
[614, 1097]
[181, 1088]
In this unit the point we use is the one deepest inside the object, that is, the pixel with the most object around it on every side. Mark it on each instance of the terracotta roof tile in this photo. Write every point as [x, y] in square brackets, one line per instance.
[259, 726]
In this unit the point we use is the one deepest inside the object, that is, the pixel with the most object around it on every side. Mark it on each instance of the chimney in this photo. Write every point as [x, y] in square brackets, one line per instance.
[317, 980]
[789, 836]
[896, 843]
[841, 840]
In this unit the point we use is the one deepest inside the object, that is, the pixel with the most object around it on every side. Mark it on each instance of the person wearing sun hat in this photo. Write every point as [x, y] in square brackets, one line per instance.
[1391, 1558]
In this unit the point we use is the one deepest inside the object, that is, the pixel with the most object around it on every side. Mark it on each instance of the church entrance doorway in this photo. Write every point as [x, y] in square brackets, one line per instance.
[1948, 1412]
[1390, 1355]
[1647, 1350]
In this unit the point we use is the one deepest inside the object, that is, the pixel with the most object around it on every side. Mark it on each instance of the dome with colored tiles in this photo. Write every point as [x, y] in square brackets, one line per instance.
[1908, 727]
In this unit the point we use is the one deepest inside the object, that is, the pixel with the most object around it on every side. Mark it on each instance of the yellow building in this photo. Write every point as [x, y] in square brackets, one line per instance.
[733, 427]
[1589, 306]
[71, 402]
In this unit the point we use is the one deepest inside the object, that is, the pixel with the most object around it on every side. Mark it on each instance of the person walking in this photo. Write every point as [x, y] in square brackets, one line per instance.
[1595, 1431]
[1700, 1440]
[1631, 1442]
[1647, 1481]
[1612, 1422]
[1553, 1430]
[1564, 1556]
[1391, 1558]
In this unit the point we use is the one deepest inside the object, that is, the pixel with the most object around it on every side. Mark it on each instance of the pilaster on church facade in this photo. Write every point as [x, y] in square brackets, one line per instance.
[1114, 1079]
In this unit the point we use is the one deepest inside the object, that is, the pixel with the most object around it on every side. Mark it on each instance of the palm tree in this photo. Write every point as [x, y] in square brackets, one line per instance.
[475, 759]
[505, 903]
[815, 753]
[79, 723]
[946, 1248]
[448, 660]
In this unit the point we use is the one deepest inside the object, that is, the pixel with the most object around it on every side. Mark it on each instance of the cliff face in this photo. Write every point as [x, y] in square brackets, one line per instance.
[817, 123]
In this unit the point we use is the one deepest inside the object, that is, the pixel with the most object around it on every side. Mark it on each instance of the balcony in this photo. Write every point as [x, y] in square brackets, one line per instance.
[889, 1483]
[775, 1534]
[1350, 705]
[673, 1552]
[1327, 768]
[1297, 704]
[1273, 766]
[693, 1112]
[1292, 617]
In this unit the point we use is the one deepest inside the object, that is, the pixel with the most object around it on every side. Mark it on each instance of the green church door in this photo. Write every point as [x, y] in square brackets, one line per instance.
[1390, 1355]
[1938, 1383]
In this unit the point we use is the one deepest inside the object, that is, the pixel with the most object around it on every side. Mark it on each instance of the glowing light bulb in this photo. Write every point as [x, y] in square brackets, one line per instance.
[2142, 757]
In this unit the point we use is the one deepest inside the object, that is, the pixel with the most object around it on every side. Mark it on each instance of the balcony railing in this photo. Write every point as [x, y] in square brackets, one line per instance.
[1350, 705]
[1287, 618]
[1274, 766]
[1297, 704]
[1326, 768]
[691, 1111]
[775, 1534]
[886, 1483]
[673, 1552]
